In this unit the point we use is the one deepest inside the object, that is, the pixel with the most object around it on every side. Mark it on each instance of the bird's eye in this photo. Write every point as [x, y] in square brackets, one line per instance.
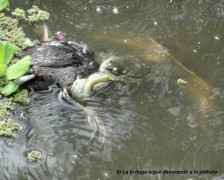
[92, 65]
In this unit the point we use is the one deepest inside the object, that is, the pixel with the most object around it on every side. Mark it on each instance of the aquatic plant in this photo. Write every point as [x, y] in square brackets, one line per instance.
[7, 127]
[17, 70]
[5, 105]
[12, 42]
[6, 54]
[37, 15]
[14, 71]
[33, 156]
[19, 13]
[21, 96]
[9, 31]
[3, 4]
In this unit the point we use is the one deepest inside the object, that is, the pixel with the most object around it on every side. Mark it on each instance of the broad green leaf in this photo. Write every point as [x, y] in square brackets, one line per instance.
[3, 4]
[9, 88]
[2, 52]
[6, 52]
[20, 68]
[3, 68]
[9, 50]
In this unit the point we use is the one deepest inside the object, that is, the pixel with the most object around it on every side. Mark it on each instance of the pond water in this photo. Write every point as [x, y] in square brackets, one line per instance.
[147, 127]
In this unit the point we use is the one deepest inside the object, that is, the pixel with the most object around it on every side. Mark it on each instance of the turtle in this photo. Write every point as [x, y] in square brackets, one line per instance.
[154, 63]
[74, 69]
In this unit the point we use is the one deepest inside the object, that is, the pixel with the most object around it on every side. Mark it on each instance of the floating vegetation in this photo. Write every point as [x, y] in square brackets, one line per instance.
[7, 127]
[21, 96]
[12, 42]
[5, 105]
[33, 156]
[37, 15]
[7, 87]
[9, 31]
[11, 72]
[19, 13]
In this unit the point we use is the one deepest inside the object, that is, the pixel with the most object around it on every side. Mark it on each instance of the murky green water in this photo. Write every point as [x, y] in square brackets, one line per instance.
[146, 128]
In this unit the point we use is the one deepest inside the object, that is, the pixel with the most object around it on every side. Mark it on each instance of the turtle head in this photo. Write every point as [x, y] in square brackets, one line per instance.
[108, 71]
[127, 69]
[121, 67]
[110, 65]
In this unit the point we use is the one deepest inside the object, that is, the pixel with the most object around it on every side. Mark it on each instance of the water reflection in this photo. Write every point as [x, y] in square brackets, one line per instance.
[142, 131]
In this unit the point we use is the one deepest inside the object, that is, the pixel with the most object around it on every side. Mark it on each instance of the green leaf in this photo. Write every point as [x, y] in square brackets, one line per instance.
[20, 68]
[9, 88]
[9, 50]
[3, 68]
[6, 52]
[2, 52]
[3, 4]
